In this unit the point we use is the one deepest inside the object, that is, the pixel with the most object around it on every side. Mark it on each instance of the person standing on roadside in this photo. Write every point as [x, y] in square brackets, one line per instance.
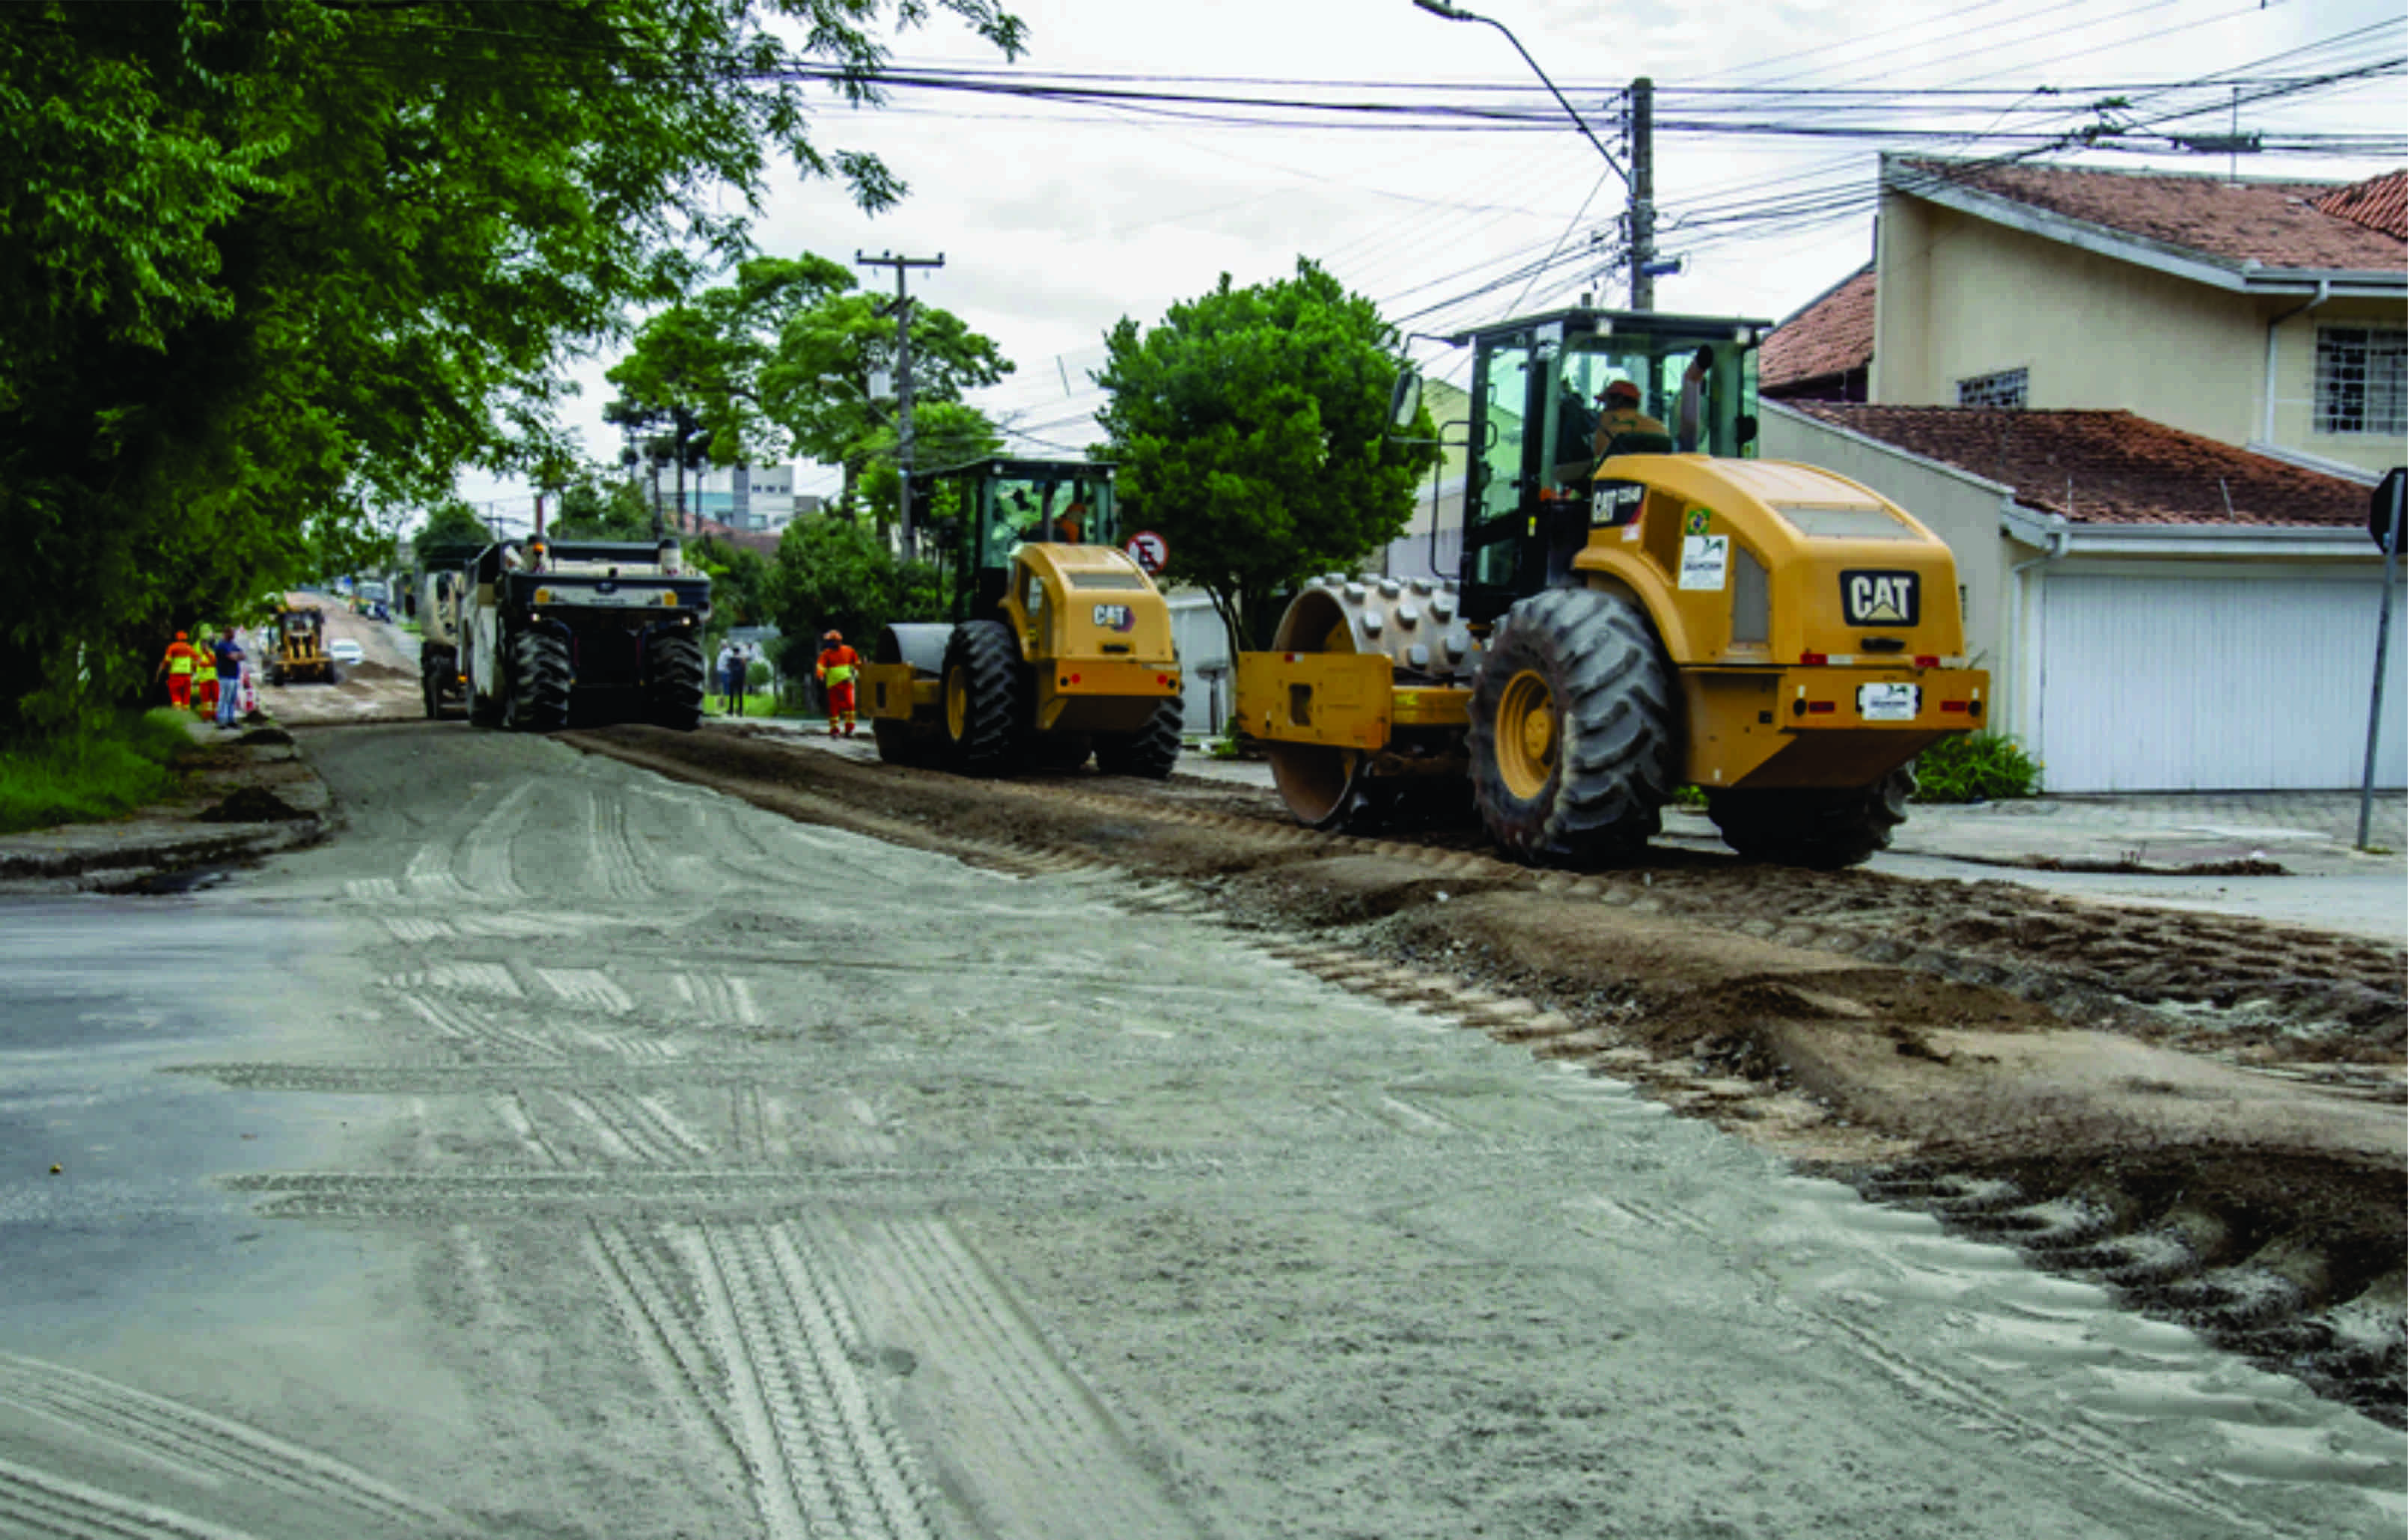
[739, 665]
[182, 661]
[230, 656]
[839, 664]
[205, 678]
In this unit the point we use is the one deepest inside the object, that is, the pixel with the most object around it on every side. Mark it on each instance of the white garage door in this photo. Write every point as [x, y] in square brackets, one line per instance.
[2199, 684]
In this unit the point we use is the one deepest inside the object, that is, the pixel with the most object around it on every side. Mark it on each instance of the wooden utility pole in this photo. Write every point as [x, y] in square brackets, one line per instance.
[1643, 193]
[902, 311]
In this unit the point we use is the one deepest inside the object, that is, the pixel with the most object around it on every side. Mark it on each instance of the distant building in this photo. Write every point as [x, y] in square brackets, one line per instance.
[752, 498]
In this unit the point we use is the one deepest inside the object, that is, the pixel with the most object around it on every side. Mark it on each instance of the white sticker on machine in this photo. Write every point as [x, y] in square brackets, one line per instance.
[1705, 561]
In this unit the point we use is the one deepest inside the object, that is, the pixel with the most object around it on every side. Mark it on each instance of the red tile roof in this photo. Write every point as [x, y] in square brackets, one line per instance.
[2380, 203]
[2276, 224]
[2107, 468]
[1832, 335]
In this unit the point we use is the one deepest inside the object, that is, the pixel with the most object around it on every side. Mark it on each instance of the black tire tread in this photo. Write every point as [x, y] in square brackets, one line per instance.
[674, 690]
[1150, 752]
[990, 744]
[540, 679]
[1618, 762]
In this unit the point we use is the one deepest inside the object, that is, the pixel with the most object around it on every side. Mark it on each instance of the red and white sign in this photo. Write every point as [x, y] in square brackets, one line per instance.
[1149, 551]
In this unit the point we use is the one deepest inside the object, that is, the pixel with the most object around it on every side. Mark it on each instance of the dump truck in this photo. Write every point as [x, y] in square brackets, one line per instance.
[296, 647]
[1058, 647]
[595, 631]
[1629, 612]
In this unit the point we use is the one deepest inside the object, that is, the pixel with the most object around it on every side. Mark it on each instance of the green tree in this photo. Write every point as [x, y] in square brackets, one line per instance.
[1251, 431]
[266, 266]
[739, 583]
[944, 434]
[453, 522]
[832, 575]
[596, 506]
[778, 363]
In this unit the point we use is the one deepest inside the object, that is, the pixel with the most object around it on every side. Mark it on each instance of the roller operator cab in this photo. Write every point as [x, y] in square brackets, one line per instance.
[1639, 604]
[1059, 645]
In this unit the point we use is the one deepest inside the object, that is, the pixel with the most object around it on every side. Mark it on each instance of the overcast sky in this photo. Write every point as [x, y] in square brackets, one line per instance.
[1055, 221]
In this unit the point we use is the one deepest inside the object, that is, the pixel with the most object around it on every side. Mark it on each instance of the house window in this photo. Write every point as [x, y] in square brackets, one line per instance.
[2007, 388]
[2361, 380]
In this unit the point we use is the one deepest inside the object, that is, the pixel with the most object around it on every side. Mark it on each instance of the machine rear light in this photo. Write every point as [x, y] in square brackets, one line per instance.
[1927, 660]
[1822, 708]
[1952, 706]
[1813, 660]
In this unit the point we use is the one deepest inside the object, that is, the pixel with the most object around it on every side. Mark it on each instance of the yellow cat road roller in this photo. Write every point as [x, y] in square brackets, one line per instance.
[1059, 645]
[1638, 604]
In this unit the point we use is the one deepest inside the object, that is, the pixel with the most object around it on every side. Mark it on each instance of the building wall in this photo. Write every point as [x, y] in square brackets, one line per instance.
[2294, 373]
[1960, 296]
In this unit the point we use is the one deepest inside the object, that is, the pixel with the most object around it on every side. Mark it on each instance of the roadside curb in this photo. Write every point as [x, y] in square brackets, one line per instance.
[145, 851]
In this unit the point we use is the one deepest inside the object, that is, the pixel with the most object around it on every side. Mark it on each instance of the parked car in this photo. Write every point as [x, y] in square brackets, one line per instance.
[345, 650]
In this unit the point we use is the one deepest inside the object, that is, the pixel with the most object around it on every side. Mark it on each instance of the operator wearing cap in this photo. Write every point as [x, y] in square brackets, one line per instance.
[1621, 416]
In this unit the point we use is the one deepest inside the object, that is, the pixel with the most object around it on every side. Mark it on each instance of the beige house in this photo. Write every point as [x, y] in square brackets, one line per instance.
[2258, 313]
[2145, 411]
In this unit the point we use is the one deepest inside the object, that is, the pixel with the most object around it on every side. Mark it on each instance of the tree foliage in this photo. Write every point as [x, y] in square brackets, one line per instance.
[453, 522]
[600, 507]
[1250, 430]
[266, 266]
[832, 575]
[778, 363]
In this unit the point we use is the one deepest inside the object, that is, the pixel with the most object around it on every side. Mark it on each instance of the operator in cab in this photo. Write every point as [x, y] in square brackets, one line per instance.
[1621, 416]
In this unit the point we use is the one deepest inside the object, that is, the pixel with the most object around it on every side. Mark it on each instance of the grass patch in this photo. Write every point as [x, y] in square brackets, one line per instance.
[88, 777]
[1977, 767]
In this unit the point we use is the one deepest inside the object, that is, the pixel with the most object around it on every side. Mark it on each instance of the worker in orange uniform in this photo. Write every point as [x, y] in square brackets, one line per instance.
[181, 662]
[205, 682]
[838, 664]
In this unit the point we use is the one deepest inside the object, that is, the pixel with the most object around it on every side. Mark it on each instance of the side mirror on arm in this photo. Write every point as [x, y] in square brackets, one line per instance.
[1405, 400]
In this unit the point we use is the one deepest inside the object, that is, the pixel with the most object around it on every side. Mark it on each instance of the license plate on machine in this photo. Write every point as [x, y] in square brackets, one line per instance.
[1888, 702]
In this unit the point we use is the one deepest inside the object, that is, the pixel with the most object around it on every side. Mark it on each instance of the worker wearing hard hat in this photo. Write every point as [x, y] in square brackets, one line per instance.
[181, 664]
[1621, 416]
[839, 665]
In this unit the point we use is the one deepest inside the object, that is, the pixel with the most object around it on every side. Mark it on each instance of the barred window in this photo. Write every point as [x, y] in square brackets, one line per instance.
[2361, 380]
[2007, 388]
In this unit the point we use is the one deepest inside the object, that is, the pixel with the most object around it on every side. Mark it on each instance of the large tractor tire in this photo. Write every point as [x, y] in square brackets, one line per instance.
[1150, 752]
[539, 683]
[1575, 730]
[675, 690]
[428, 691]
[984, 705]
[1821, 829]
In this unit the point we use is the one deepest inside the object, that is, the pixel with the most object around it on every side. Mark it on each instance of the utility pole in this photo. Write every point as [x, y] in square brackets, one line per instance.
[1643, 193]
[902, 266]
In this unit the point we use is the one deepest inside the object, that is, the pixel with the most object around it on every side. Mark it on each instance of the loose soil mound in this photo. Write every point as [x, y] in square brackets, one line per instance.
[251, 804]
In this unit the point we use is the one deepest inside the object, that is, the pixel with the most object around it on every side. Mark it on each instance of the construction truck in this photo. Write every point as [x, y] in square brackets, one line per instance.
[443, 583]
[595, 629]
[296, 647]
[1638, 604]
[1059, 645]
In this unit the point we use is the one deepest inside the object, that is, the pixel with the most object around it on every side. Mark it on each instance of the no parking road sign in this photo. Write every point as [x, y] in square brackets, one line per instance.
[1149, 551]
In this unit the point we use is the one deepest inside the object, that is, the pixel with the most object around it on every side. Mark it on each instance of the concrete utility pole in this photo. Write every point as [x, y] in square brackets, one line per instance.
[1643, 193]
[902, 266]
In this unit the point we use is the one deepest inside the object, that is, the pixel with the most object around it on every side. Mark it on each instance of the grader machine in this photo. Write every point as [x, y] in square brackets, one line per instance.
[296, 646]
[1627, 616]
[1059, 645]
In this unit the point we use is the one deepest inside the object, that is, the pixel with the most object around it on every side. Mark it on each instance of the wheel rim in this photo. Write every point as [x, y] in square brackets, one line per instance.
[957, 703]
[1526, 734]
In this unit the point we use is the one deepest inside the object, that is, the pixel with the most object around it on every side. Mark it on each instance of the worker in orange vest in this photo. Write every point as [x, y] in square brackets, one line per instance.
[182, 660]
[205, 682]
[838, 664]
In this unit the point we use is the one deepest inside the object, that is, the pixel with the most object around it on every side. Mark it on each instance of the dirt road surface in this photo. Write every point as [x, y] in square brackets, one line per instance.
[1051, 1161]
[384, 686]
